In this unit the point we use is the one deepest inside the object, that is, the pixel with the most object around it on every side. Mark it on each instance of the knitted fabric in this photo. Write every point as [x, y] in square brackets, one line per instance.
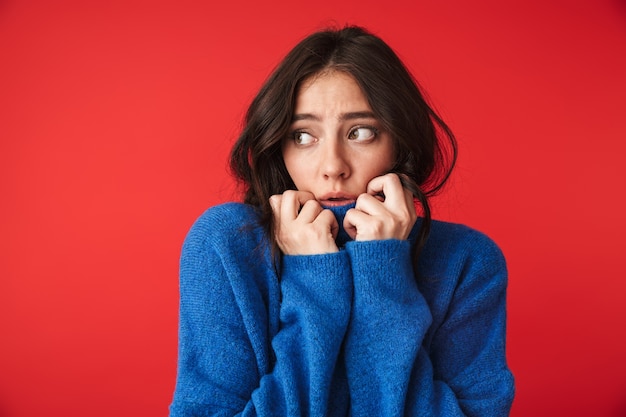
[348, 333]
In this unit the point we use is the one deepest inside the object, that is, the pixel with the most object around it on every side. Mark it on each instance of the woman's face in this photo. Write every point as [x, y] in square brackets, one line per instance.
[335, 145]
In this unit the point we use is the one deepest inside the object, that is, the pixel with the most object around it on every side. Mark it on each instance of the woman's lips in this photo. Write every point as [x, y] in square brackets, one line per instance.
[336, 201]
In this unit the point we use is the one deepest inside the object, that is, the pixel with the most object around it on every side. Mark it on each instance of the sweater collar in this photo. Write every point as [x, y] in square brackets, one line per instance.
[343, 237]
[340, 212]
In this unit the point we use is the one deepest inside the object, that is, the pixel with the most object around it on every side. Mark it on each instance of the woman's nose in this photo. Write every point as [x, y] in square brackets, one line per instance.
[335, 160]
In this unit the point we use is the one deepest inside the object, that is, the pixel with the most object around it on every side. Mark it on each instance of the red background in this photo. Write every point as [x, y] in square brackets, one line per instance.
[115, 124]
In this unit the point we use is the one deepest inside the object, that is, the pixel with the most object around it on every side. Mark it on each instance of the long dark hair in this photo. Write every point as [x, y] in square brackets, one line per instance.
[425, 147]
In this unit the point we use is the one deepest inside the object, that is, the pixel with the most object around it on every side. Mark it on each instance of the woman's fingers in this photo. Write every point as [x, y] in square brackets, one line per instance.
[292, 202]
[354, 223]
[390, 187]
[385, 211]
[327, 218]
[302, 226]
[391, 218]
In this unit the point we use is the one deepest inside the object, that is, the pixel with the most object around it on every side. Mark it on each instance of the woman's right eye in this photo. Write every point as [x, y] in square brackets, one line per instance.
[302, 138]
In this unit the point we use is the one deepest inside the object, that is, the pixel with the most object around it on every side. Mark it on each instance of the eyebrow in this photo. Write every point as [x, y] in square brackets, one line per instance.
[343, 117]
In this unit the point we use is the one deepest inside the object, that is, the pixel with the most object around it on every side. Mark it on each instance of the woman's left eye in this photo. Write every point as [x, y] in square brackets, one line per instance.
[362, 133]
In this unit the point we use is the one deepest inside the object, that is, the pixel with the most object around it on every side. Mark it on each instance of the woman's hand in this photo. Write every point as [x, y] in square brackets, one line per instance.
[376, 219]
[302, 226]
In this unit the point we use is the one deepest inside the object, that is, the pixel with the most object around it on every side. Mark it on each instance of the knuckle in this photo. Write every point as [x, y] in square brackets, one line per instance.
[360, 199]
[391, 176]
[311, 203]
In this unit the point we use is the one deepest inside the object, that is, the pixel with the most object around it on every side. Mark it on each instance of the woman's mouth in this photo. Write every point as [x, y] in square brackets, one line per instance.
[329, 201]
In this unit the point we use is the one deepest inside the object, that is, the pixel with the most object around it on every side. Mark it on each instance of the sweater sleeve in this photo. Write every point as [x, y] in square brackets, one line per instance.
[389, 319]
[224, 331]
[394, 370]
[314, 314]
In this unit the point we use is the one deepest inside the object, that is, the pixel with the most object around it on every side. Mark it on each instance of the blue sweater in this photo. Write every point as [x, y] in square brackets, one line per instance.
[348, 333]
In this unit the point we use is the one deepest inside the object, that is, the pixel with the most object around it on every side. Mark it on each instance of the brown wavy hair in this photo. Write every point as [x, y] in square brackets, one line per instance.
[425, 147]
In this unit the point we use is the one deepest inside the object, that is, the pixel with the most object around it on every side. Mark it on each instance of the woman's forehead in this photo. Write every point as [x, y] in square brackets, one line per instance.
[330, 92]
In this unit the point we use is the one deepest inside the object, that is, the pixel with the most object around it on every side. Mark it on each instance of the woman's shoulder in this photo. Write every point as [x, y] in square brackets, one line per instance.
[453, 242]
[227, 222]
[228, 214]
[457, 265]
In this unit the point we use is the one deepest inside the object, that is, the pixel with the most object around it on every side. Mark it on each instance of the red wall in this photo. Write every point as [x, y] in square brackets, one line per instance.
[115, 123]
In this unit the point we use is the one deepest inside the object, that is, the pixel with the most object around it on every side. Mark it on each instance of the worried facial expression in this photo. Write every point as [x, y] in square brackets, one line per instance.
[335, 145]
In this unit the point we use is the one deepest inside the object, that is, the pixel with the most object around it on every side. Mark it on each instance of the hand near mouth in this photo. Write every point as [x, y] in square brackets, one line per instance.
[301, 225]
[385, 211]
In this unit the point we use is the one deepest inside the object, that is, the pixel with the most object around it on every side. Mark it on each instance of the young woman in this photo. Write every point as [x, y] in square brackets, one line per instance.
[326, 293]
